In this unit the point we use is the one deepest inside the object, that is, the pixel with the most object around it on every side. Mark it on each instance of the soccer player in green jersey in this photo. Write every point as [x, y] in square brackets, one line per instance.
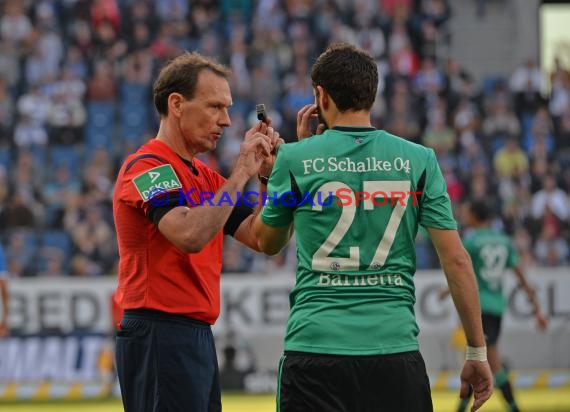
[492, 253]
[354, 196]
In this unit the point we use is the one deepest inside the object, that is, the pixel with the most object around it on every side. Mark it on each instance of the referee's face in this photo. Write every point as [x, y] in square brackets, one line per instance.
[204, 117]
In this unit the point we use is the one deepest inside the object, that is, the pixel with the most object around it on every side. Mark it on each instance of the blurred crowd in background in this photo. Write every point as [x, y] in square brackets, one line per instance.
[76, 98]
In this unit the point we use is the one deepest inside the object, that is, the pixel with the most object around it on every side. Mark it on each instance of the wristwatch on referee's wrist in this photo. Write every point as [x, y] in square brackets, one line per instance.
[263, 179]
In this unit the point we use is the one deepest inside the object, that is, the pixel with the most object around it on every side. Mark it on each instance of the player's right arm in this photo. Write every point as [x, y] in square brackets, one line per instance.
[458, 270]
[513, 262]
[4, 295]
[541, 321]
[5, 306]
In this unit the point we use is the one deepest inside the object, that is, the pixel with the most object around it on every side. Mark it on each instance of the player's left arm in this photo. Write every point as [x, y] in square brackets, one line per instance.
[458, 270]
[273, 226]
[541, 321]
[260, 237]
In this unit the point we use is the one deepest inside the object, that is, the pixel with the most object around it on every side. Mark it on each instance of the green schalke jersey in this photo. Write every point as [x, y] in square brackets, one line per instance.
[492, 252]
[352, 193]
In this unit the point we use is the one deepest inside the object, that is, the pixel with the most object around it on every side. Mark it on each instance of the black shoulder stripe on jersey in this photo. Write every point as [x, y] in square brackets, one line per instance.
[420, 188]
[295, 189]
[421, 182]
[143, 156]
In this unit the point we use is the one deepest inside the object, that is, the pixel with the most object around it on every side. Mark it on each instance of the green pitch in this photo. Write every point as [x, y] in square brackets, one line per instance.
[532, 400]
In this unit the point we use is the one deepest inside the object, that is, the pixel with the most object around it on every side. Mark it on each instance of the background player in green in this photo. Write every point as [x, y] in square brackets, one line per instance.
[351, 339]
[4, 295]
[492, 253]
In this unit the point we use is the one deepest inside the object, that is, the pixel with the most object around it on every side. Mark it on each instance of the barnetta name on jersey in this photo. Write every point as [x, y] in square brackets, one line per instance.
[386, 279]
[346, 164]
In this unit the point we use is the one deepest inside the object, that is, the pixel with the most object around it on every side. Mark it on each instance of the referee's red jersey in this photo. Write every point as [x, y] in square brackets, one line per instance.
[153, 273]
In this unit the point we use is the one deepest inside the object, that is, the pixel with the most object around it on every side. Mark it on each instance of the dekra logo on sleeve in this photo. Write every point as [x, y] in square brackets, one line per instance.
[160, 178]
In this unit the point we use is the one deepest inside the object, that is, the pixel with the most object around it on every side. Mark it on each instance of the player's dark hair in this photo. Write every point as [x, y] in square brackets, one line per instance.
[481, 210]
[180, 75]
[348, 74]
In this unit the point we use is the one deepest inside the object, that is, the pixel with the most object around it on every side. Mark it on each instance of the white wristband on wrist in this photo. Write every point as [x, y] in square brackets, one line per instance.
[476, 353]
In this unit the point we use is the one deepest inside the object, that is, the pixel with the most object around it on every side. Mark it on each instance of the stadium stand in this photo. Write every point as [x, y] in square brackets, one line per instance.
[76, 76]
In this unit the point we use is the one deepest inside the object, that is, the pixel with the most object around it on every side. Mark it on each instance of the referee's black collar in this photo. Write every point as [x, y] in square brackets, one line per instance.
[190, 165]
[354, 128]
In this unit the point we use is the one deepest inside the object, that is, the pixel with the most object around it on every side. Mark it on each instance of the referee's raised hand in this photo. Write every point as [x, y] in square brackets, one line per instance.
[258, 150]
[255, 148]
[275, 141]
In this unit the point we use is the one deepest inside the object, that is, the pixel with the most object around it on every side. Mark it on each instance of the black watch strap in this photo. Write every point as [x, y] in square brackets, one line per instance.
[263, 179]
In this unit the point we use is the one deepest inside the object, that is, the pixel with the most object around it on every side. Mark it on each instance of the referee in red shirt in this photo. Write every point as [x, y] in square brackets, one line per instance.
[170, 245]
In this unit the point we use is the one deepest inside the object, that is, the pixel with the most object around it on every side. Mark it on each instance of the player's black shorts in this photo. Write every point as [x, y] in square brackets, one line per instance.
[167, 363]
[312, 382]
[491, 328]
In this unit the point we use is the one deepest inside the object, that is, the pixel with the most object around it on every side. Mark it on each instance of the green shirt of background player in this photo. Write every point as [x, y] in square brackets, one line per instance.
[493, 253]
[357, 197]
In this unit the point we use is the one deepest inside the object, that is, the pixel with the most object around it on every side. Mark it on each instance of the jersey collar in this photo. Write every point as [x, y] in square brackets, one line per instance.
[354, 128]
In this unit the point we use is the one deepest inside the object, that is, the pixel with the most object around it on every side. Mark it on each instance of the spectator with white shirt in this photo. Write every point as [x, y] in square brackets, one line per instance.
[551, 249]
[15, 25]
[552, 197]
[527, 76]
